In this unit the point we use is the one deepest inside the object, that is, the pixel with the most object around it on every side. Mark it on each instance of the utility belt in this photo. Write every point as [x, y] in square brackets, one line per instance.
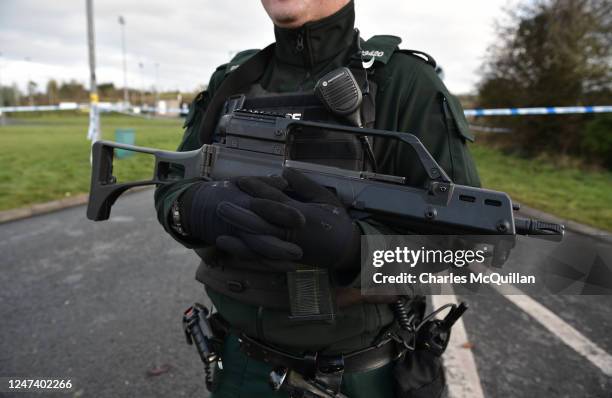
[311, 364]
[314, 374]
[311, 374]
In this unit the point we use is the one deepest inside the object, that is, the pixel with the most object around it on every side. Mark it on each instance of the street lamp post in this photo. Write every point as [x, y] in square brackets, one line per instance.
[156, 87]
[94, 122]
[142, 88]
[1, 90]
[1, 94]
[126, 100]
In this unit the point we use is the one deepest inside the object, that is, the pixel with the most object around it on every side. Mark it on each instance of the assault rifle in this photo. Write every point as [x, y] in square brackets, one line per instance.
[251, 143]
[256, 144]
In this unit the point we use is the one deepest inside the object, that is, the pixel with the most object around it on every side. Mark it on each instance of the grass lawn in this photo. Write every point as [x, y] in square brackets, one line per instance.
[46, 156]
[570, 193]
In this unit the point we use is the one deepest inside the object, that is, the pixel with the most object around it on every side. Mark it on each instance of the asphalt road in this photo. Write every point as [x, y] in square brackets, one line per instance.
[100, 303]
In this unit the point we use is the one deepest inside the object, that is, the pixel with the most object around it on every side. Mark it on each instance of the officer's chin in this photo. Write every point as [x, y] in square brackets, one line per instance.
[286, 14]
[288, 23]
[287, 20]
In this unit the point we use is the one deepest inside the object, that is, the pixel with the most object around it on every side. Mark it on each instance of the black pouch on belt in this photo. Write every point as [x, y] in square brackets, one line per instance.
[419, 374]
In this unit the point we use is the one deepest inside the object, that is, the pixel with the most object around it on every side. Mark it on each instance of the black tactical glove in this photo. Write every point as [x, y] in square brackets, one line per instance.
[306, 214]
[203, 209]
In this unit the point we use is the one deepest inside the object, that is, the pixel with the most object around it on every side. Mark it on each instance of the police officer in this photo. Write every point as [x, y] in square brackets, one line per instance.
[251, 231]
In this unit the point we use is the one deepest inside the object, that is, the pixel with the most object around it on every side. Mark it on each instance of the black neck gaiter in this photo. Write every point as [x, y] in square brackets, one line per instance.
[316, 42]
[304, 54]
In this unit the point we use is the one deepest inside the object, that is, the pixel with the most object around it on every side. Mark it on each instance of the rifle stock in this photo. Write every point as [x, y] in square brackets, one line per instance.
[104, 188]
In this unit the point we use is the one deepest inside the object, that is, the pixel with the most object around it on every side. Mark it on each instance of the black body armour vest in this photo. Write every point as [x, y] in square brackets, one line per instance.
[310, 145]
[254, 283]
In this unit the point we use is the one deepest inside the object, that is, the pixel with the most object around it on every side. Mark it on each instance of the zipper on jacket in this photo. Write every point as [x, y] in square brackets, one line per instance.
[299, 43]
[299, 47]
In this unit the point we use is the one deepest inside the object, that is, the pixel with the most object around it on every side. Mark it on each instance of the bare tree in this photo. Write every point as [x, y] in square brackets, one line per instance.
[550, 53]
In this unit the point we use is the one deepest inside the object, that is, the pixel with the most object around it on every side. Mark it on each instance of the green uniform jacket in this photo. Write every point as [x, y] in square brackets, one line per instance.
[410, 97]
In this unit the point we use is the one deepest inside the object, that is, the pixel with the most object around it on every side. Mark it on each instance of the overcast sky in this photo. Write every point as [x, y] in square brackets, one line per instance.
[41, 39]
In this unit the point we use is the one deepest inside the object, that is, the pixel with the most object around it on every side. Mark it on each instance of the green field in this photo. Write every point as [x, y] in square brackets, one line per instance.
[568, 192]
[46, 156]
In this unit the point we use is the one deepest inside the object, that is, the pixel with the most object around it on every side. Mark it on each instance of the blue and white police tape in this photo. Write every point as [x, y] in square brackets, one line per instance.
[43, 108]
[549, 110]
[102, 107]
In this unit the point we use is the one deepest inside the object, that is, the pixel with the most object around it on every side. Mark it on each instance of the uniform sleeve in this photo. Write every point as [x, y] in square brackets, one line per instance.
[415, 100]
[166, 195]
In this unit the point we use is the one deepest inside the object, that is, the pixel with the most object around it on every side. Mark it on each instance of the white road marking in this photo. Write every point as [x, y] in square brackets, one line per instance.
[557, 326]
[459, 364]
